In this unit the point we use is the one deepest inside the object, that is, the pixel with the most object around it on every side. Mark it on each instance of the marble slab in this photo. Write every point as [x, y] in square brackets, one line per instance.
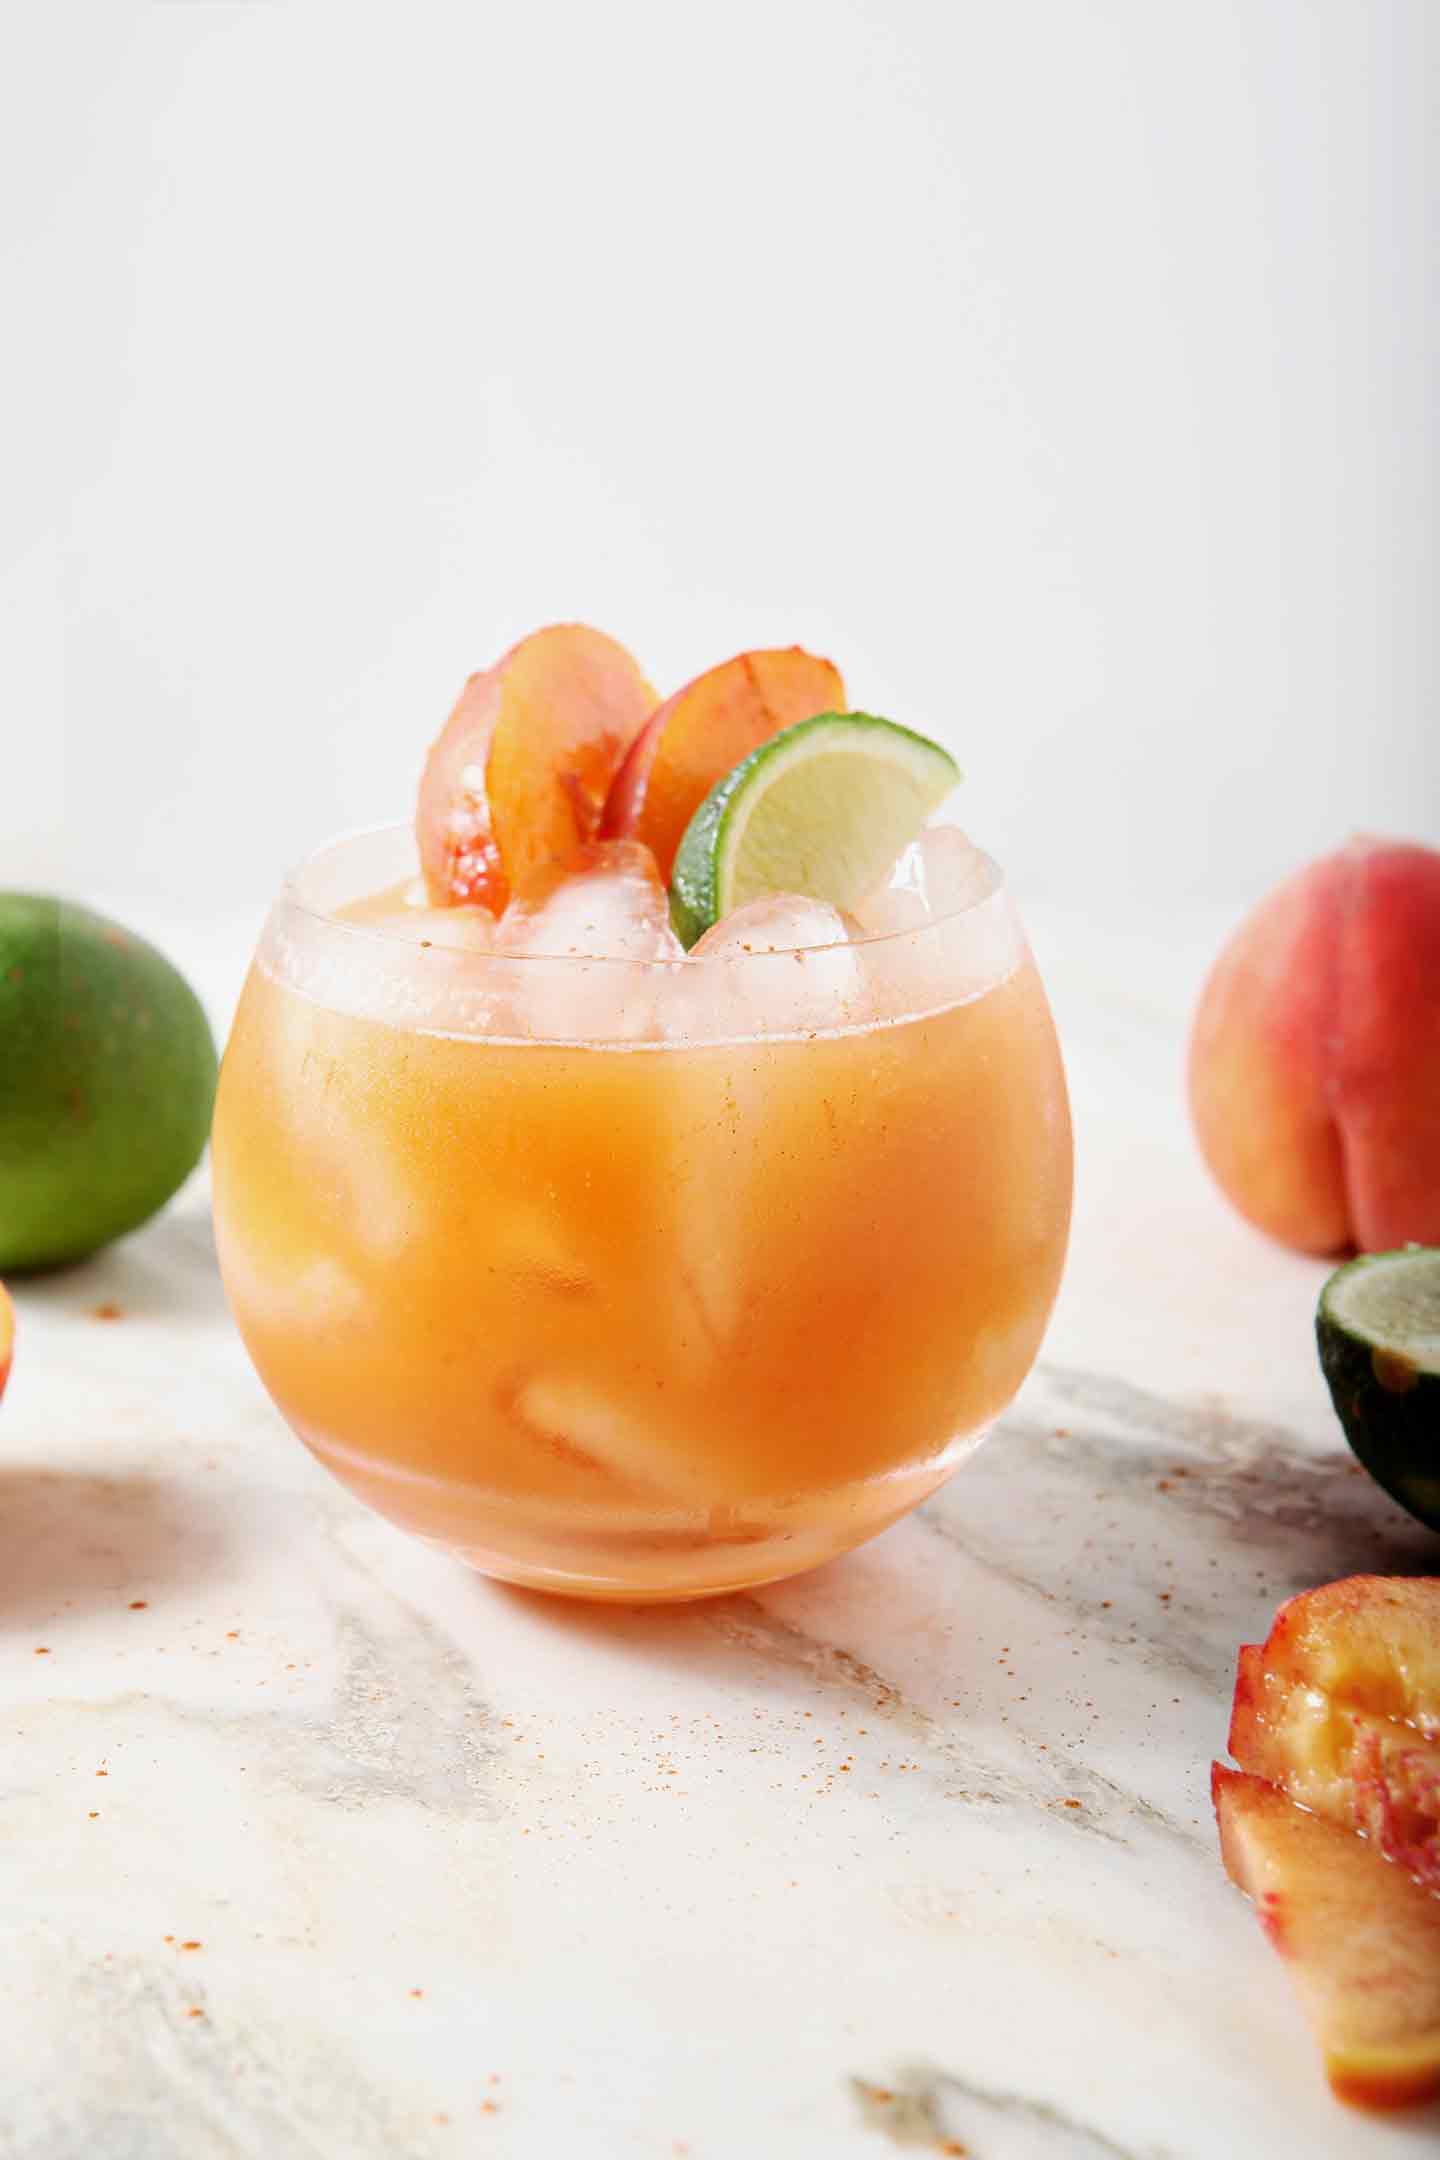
[313, 1844]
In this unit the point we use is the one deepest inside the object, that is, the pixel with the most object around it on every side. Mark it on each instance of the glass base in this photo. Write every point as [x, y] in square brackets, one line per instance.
[625, 1553]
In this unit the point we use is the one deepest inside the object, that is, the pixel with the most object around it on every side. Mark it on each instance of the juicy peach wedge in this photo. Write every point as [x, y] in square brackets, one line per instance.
[7, 1335]
[703, 731]
[1361, 1940]
[1341, 1709]
[1371, 1642]
[521, 770]
[1374, 1775]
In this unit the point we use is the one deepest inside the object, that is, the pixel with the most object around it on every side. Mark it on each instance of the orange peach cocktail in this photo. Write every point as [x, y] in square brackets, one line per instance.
[639, 1280]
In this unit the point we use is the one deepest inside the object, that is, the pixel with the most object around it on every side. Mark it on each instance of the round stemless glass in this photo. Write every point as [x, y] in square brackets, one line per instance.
[639, 1280]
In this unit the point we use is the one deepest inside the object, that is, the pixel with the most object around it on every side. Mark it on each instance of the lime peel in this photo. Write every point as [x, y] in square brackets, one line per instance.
[1378, 1330]
[1392, 1301]
[824, 808]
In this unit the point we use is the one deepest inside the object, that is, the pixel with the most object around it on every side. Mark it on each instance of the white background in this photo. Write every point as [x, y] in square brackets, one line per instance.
[1065, 368]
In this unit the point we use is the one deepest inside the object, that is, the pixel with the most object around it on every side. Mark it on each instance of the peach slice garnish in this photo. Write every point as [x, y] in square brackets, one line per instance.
[703, 731]
[521, 770]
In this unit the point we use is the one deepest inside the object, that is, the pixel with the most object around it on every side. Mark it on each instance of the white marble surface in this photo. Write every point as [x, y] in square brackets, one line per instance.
[315, 1845]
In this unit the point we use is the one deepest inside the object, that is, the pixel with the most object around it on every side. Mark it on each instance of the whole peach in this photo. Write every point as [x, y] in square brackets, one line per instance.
[1314, 1065]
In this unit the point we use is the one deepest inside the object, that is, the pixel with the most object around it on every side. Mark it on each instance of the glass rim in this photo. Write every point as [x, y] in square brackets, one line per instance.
[392, 941]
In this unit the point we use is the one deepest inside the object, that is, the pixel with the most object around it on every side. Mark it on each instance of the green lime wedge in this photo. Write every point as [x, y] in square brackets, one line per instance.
[822, 808]
[1378, 1326]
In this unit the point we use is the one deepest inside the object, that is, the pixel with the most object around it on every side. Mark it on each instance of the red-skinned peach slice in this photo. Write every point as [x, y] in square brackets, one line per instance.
[703, 731]
[1314, 1064]
[7, 1335]
[1361, 1940]
[521, 770]
[1369, 1774]
[1370, 1642]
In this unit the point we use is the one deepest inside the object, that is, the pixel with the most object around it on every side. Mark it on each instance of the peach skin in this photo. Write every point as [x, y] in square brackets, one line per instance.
[704, 730]
[1314, 1065]
[519, 774]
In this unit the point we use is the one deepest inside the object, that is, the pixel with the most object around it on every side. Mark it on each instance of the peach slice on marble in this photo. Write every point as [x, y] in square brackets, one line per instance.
[1373, 1775]
[703, 731]
[1341, 1708]
[1314, 1067]
[1360, 1938]
[520, 772]
[1371, 1642]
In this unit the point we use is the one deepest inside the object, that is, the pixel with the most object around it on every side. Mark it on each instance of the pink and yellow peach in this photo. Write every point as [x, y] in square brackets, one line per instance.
[1315, 1059]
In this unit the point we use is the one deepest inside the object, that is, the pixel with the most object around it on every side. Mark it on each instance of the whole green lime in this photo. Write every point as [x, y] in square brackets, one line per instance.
[107, 1079]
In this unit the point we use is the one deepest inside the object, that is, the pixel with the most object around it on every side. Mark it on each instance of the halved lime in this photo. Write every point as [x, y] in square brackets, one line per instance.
[1378, 1326]
[823, 808]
